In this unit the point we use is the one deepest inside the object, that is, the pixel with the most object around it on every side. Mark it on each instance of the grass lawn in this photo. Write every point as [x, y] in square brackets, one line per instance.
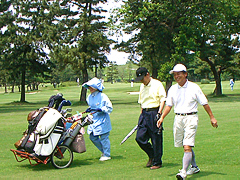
[217, 150]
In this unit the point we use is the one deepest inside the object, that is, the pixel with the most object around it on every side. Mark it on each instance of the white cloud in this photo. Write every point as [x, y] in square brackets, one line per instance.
[119, 57]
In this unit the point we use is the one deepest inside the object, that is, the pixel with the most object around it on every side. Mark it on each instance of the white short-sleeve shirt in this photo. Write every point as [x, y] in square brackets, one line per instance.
[185, 98]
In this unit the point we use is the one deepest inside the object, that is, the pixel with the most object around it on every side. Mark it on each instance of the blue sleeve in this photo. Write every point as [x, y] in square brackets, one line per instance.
[106, 104]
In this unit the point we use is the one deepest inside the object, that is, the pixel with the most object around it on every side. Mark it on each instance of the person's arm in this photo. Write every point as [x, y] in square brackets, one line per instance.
[161, 107]
[212, 118]
[106, 104]
[167, 109]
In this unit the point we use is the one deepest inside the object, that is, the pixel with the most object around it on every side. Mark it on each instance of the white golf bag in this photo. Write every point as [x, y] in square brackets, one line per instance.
[48, 132]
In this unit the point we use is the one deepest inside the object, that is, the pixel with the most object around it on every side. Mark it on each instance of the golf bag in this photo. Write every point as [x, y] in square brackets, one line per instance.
[48, 132]
[55, 100]
[43, 132]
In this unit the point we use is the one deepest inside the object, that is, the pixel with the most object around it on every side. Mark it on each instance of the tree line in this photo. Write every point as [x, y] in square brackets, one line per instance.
[197, 33]
[44, 40]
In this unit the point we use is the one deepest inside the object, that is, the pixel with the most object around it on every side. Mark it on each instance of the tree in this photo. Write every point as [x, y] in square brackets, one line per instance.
[178, 31]
[155, 24]
[208, 33]
[23, 51]
[84, 42]
[112, 73]
[6, 19]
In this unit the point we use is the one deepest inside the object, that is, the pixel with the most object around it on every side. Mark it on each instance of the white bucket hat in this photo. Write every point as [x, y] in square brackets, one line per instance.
[95, 83]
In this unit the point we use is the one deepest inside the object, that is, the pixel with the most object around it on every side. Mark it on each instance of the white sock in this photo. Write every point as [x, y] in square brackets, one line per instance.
[193, 162]
[187, 158]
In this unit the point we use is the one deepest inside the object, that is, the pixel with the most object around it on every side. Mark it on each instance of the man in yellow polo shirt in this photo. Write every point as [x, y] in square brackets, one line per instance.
[152, 99]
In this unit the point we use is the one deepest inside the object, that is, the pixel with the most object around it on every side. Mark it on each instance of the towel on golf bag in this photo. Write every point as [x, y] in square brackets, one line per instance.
[46, 144]
[48, 121]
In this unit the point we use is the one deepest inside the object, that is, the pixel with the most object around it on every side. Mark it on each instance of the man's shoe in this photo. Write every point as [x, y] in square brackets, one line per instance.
[104, 158]
[181, 175]
[155, 167]
[193, 170]
[149, 163]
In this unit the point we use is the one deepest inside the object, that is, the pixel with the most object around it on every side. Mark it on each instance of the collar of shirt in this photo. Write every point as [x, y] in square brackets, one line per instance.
[184, 86]
[150, 82]
[94, 93]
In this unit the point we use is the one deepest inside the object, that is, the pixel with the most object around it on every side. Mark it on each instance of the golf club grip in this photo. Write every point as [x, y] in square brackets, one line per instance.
[160, 129]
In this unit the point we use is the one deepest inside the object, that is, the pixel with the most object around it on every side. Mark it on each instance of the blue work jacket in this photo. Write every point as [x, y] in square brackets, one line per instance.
[101, 120]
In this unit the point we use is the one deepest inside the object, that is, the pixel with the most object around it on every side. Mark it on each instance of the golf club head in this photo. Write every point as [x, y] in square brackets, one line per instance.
[87, 120]
[69, 109]
[68, 115]
[64, 103]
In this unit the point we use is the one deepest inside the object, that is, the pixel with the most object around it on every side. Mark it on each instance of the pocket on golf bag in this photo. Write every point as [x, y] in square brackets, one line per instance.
[30, 143]
[29, 146]
[19, 142]
[78, 144]
[45, 146]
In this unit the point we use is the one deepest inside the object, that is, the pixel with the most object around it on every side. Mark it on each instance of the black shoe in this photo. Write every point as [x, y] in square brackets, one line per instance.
[156, 167]
[149, 163]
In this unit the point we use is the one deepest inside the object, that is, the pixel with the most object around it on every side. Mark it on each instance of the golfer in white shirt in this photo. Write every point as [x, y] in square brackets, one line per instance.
[185, 96]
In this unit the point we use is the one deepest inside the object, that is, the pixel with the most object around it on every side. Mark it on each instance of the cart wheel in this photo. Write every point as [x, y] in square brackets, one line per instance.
[62, 157]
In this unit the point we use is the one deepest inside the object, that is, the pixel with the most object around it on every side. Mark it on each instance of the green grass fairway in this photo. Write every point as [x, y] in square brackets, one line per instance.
[217, 150]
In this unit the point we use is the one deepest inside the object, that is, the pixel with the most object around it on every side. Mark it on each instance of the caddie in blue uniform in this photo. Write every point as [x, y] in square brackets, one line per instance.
[99, 131]
[152, 99]
[185, 96]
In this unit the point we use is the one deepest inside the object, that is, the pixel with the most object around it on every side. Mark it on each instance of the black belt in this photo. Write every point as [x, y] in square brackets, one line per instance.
[185, 114]
[151, 109]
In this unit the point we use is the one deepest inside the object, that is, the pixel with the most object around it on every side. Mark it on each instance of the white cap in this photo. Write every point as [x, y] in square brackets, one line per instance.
[178, 68]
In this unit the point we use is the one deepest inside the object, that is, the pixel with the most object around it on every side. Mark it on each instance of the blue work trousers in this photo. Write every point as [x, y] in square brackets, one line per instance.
[102, 142]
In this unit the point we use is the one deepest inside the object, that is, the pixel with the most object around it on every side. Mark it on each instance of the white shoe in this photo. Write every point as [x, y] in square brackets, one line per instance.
[104, 158]
[193, 170]
[181, 175]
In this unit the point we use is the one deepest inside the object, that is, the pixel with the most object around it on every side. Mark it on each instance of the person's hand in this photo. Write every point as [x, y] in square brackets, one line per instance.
[88, 110]
[214, 122]
[159, 122]
[157, 117]
[98, 110]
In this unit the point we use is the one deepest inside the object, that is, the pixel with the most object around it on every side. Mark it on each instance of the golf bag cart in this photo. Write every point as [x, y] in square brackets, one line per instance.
[47, 139]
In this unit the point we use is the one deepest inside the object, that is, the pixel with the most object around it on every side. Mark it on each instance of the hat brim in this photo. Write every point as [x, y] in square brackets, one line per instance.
[85, 86]
[139, 78]
[172, 71]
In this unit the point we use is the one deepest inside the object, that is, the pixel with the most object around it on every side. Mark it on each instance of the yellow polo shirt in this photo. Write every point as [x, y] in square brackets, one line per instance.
[151, 95]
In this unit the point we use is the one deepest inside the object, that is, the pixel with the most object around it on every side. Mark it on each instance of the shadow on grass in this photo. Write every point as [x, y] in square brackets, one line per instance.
[18, 106]
[81, 162]
[39, 167]
[49, 166]
[201, 174]
[166, 165]
[224, 98]
[26, 106]
[75, 163]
